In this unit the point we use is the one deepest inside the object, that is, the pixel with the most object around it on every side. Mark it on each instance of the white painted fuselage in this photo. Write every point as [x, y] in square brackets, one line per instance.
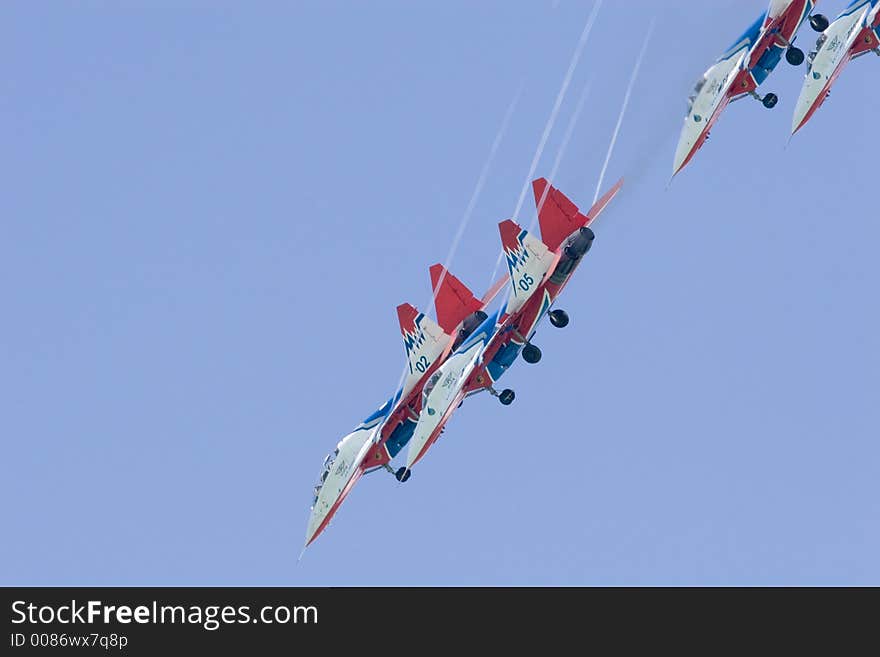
[442, 392]
[341, 471]
[831, 56]
[706, 104]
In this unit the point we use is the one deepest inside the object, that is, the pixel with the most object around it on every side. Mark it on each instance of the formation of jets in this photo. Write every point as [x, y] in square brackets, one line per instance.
[467, 349]
[753, 56]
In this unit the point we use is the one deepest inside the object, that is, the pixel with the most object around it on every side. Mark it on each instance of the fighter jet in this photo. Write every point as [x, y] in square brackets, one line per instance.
[742, 69]
[539, 270]
[378, 439]
[854, 33]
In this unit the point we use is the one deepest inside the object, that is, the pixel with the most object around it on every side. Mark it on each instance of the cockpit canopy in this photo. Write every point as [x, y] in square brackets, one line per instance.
[325, 471]
[812, 55]
[429, 386]
[697, 88]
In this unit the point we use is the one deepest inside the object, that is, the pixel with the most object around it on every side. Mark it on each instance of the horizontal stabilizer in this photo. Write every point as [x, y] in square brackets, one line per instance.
[559, 217]
[452, 299]
[424, 340]
[528, 261]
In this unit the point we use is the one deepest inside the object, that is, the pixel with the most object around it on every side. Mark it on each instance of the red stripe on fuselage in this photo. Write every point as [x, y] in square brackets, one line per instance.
[709, 124]
[351, 482]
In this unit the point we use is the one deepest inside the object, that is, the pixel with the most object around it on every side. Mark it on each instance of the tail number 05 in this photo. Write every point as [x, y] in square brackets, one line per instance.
[526, 282]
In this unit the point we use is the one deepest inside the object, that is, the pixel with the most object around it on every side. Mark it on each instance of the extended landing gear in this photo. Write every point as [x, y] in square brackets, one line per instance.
[769, 101]
[402, 474]
[794, 56]
[819, 22]
[559, 318]
[506, 396]
[531, 354]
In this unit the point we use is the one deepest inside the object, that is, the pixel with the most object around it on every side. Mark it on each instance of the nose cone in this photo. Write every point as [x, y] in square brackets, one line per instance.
[318, 520]
[692, 137]
[812, 95]
[799, 119]
[341, 472]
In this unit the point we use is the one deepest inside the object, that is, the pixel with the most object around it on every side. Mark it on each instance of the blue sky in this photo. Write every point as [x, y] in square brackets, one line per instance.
[211, 210]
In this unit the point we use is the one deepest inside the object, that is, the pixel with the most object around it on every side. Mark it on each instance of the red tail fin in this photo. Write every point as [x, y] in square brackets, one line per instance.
[407, 315]
[558, 216]
[452, 299]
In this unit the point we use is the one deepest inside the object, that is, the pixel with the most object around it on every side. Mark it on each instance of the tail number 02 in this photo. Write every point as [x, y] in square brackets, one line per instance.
[422, 364]
[526, 282]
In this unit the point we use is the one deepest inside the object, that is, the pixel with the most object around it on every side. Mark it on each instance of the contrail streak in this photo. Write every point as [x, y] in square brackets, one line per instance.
[559, 98]
[629, 88]
[569, 130]
[481, 181]
[466, 217]
[591, 19]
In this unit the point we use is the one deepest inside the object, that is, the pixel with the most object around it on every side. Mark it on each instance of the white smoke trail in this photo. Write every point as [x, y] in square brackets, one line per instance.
[588, 27]
[481, 181]
[466, 217]
[559, 98]
[569, 130]
[629, 88]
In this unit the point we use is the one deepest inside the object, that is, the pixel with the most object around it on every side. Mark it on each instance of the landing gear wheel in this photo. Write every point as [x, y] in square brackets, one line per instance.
[531, 354]
[819, 22]
[559, 318]
[507, 396]
[402, 474]
[794, 56]
[769, 101]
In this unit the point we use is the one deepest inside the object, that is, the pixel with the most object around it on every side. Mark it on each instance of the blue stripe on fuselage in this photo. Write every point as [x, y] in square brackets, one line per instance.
[483, 332]
[747, 39]
[400, 437]
[507, 354]
[379, 414]
[855, 5]
[503, 359]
